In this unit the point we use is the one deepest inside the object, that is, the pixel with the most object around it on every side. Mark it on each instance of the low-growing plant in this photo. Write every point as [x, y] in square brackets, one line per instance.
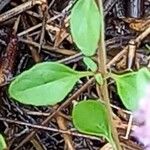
[48, 83]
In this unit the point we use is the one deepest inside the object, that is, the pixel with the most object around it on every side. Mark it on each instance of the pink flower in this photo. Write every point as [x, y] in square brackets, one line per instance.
[142, 118]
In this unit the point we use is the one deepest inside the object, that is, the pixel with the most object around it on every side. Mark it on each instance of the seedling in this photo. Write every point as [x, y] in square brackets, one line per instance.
[48, 83]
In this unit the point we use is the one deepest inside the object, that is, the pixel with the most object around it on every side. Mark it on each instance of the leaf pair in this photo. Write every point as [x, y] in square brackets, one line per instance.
[49, 83]
[45, 84]
[90, 116]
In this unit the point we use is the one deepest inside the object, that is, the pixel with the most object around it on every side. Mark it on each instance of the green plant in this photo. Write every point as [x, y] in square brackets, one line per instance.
[131, 87]
[85, 26]
[97, 124]
[37, 86]
[2, 143]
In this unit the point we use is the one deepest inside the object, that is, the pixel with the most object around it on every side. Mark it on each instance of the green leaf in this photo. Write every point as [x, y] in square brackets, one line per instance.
[85, 26]
[44, 84]
[3, 145]
[148, 47]
[131, 87]
[90, 117]
[99, 79]
[90, 63]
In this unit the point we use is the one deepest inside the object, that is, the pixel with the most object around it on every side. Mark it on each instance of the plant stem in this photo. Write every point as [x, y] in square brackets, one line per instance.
[102, 68]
